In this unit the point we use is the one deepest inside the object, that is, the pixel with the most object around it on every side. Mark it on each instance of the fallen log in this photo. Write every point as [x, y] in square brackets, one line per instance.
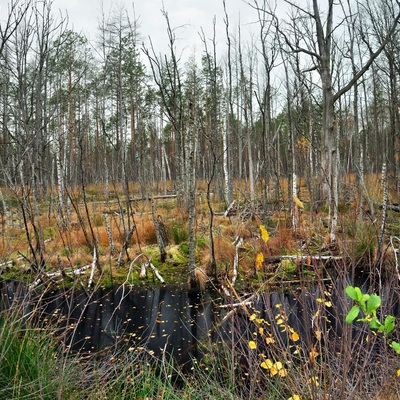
[228, 211]
[392, 207]
[278, 259]
[163, 196]
[51, 275]
[11, 261]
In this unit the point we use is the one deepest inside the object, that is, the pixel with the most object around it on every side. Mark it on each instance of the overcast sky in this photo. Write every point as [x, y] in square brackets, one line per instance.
[190, 15]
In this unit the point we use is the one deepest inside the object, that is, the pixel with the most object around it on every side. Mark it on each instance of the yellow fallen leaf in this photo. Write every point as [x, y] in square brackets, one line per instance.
[273, 371]
[295, 336]
[398, 372]
[298, 202]
[278, 365]
[314, 380]
[295, 397]
[264, 233]
[327, 303]
[259, 260]
[267, 364]
[252, 344]
[282, 372]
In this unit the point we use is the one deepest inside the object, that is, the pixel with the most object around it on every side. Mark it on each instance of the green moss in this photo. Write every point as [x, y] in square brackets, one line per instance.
[288, 266]
[178, 255]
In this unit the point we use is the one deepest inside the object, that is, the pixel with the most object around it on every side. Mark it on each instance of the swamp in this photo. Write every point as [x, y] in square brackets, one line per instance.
[207, 216]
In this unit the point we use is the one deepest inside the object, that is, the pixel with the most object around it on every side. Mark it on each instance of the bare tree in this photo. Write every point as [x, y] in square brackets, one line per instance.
[318, 43]
[269, 53]
[16, 12]
[167, 77]
[227, 132]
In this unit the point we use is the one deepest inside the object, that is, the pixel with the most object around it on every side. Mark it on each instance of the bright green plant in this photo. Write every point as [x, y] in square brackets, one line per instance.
[369, 304]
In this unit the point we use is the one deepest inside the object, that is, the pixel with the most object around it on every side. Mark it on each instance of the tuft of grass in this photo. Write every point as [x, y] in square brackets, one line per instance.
[179, 233]
[146, 231]
[30, 364]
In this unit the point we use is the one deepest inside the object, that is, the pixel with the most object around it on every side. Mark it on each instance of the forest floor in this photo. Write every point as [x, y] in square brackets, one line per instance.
[66, 245]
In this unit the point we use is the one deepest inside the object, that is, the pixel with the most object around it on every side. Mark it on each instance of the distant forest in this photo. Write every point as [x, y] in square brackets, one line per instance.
[313, 97]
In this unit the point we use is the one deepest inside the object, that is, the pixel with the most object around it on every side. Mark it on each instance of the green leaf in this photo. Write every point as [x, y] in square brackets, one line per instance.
[373, 304]
[389, 324]
[350, 290]
[375, 324]
[359, 295]
[352, 315]
[396, 347]
[365, 297]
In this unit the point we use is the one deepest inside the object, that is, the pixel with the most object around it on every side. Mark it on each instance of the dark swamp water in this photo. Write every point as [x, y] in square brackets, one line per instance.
[169, 321]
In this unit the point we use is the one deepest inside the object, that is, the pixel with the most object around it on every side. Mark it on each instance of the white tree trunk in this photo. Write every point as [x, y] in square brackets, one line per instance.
[60, 173]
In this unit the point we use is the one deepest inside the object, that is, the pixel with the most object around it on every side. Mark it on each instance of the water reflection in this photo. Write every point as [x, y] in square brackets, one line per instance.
[168, 320]
[161, 320]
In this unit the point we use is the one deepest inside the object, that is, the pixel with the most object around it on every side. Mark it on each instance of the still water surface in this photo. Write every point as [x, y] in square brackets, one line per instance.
[169, 320]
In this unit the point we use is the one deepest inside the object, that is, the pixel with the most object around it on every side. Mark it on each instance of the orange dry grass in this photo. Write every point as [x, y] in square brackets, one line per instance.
[224, 250]
[54, 245]
[284, 240]
[230, 231]
[145, 229]
[201, 278]
[2, 250]
[78, 238]
[102, 236]
[117, 233]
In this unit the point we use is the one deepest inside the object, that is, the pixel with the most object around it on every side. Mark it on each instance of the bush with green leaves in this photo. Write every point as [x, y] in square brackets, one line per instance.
[368, 305]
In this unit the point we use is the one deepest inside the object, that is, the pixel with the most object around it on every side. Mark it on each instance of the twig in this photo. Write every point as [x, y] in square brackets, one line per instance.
[156, 273]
